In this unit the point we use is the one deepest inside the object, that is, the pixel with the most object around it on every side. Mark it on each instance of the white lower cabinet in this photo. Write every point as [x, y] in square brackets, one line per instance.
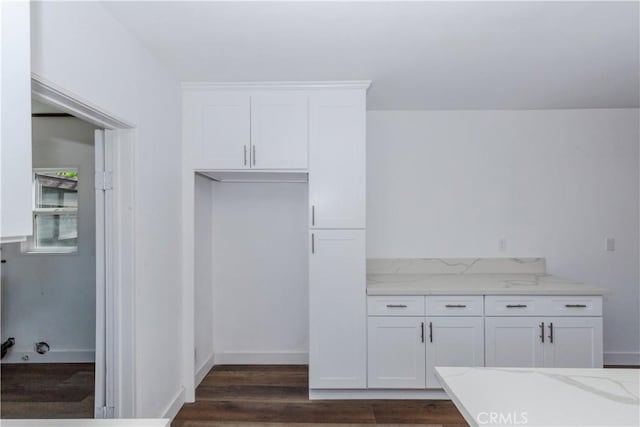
[337, 310]
[453, 341]
[573, 342]
[513, 342]
[404, 350]
[396, 349]
[553, 342]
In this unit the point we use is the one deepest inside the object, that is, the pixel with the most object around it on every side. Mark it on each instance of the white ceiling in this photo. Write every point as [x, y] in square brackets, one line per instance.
[420, 55]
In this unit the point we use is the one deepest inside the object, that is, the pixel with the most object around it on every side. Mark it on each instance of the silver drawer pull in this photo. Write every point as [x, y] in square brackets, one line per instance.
[576, 305]
[455, 305]
[516, 305]
[396, 306]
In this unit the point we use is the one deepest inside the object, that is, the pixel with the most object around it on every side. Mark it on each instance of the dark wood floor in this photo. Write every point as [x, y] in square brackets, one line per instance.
[275, 395]
[51, 390]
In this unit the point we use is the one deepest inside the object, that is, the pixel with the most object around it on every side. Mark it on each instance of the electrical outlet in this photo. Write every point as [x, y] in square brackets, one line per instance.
[610, 244]
[502, 245]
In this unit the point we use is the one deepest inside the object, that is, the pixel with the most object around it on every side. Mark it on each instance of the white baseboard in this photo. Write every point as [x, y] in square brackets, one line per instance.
[622, 358]
[435, 394]
[204, 370]
[261, 358]
[174, 406]
[54, 356]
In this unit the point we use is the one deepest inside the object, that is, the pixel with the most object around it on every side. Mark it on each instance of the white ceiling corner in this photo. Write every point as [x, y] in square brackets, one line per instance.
[419, 55]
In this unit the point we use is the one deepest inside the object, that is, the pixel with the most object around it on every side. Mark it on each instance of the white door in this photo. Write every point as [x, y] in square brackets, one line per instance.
[453, 341]
[514, 342]
[573, 342]
[279, 130]
[396, 351]
[223, 120]
[15, 137]
[337, 160]
[337, 309]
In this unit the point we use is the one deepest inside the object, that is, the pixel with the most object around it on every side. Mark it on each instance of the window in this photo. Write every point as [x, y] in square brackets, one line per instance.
[55, 211]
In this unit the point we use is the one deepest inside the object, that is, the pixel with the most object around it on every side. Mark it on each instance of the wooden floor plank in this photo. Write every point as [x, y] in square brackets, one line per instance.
[277, 396]
[47, 390]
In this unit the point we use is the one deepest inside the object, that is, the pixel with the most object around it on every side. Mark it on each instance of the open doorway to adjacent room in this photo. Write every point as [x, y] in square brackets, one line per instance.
[49, 287]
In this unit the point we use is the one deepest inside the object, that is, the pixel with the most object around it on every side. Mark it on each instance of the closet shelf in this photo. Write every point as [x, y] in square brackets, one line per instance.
[256, 176]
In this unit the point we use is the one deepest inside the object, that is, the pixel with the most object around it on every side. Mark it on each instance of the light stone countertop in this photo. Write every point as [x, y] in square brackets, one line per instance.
[544, 396]
[469, 276]
[476, 284]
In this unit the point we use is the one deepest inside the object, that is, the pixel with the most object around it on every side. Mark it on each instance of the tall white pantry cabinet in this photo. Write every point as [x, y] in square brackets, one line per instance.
[282, 131]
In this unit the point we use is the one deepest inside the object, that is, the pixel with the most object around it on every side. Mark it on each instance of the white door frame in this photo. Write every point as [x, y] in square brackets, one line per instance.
[115, 321]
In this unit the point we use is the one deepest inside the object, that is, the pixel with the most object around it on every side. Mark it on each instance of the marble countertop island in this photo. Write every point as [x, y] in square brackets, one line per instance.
[466, 276]
[544, 396]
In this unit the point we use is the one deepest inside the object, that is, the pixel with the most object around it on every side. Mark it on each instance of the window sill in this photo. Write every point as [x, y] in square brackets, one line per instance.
[51, 251]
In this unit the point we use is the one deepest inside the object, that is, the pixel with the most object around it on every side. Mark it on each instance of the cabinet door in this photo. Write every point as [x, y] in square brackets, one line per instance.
[337, 159]
[337, 309]
[513, 342]
[396, 352]
[573, 342]
[453, 341]
[279, 131]
[223, 123]
[16, 167]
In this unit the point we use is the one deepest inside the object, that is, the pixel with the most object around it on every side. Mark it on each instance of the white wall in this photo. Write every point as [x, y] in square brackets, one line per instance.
[80, 47]
[51, 297]
[260, 256]
[203, 279]
[554, 183]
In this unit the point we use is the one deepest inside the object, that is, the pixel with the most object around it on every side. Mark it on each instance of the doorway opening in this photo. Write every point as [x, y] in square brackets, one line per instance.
[49, 280]
[113, 139]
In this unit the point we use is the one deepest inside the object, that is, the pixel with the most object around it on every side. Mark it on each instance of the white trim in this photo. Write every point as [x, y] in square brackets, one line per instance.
[622, 358]
[174, 406]
[340, 84]
[392, 394]
[261, 358]
[50, 93]
[204, 370]
[122, 284]
[54, 356]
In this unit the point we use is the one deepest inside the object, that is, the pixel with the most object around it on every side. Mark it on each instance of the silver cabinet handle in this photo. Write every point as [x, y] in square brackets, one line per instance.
[245, 155]
[254, 154]
[551, 332]
[455, 305]
[422, 332]
[542, 332]
[313, 214]
[516, 305]
[396, 306]
[313, 243]
[576, 305]
[430, 331]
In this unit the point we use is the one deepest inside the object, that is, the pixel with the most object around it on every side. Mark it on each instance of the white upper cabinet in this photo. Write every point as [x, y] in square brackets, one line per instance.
[235, 130]
[279, 130]
[217, 126]
[337, 159]
[15, 89]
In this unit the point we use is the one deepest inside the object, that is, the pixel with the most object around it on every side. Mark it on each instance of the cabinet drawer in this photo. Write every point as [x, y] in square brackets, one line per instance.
[455, 306]
[516, 305]
[575, 306]
[395, 306]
